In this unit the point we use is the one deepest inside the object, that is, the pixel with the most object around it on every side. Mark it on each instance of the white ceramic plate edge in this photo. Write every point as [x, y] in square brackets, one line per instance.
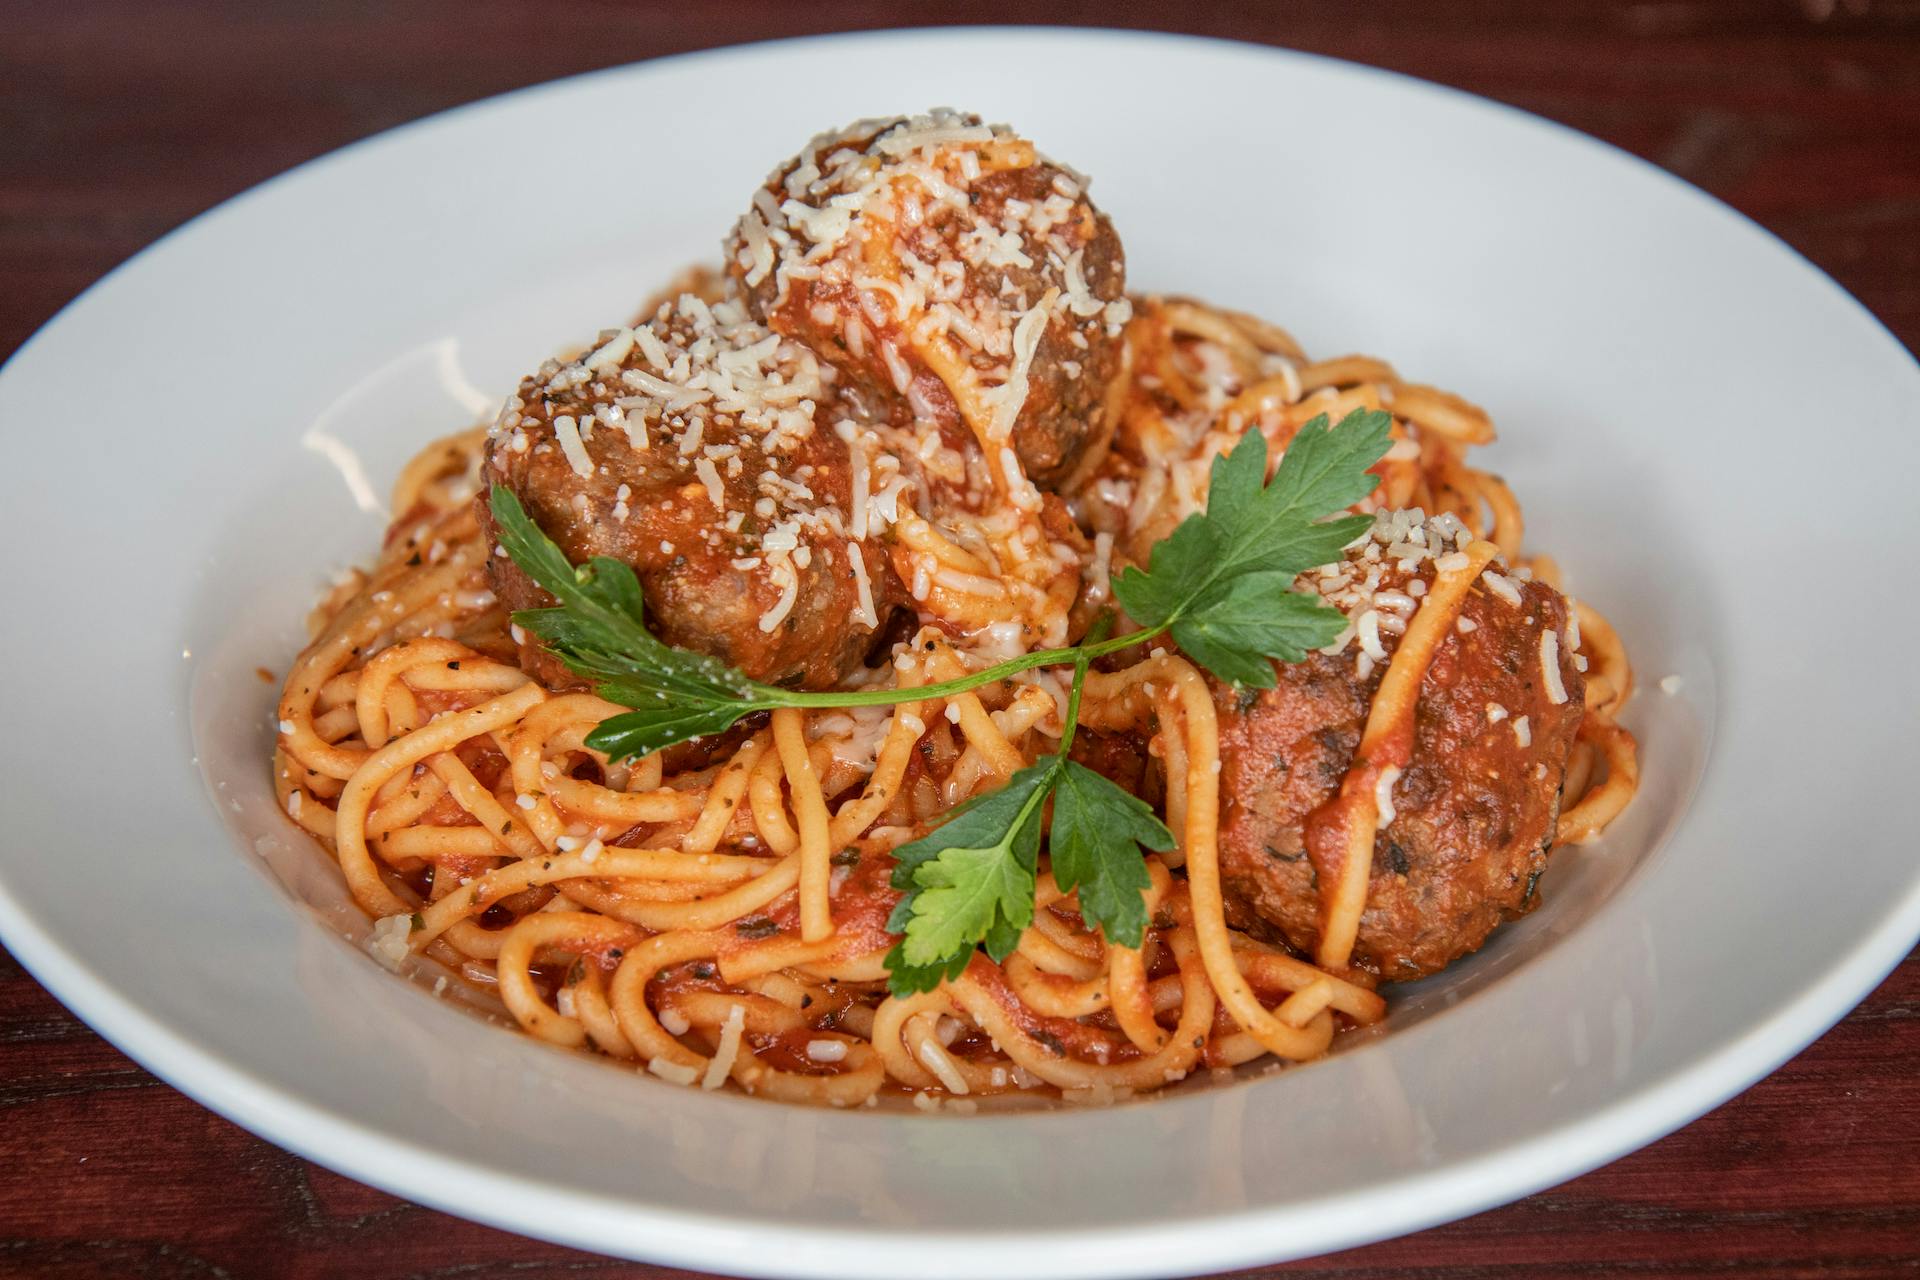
[1238, 1239]
[340, 1143]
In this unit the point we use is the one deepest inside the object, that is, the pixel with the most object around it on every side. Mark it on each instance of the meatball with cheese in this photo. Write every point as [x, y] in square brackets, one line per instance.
[948, 267]
[1466, 827]
[711, 456]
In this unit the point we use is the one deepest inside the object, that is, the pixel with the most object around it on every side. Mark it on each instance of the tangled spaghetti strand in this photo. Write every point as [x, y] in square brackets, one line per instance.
[719, 914]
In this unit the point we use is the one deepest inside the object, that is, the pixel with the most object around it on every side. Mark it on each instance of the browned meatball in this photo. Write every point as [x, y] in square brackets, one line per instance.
[1475, 808]
[947, 265]
[710, 455]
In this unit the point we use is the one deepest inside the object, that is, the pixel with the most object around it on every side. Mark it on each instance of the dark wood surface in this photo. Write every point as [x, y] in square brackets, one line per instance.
[120, 120]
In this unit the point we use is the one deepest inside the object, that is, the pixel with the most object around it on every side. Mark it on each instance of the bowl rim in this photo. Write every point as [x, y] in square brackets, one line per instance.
[342, 1142]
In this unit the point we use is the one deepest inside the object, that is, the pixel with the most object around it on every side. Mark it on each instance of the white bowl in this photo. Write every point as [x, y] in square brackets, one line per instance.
[1717, 442]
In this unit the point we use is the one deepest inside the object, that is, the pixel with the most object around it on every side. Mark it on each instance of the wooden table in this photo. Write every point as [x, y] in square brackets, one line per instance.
[120, 120]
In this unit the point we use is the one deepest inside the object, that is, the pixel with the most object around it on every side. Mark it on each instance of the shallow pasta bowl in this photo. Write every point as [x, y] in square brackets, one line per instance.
[1710, 435]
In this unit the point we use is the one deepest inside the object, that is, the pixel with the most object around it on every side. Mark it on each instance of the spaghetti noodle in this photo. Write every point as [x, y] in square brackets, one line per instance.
[719, 913]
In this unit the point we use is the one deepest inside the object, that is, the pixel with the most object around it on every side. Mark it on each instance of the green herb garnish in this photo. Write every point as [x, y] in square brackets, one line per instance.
[1222, 582]
[971, 880]
[1221, 585]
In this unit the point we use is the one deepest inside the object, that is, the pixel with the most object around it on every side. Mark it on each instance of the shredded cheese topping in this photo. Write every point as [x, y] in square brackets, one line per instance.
[1550, 666]
[723, 1057]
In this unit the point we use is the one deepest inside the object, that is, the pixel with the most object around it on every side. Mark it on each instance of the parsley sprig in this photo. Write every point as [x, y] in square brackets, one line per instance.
[971, 880]
[1222, 582]
[1221, 586]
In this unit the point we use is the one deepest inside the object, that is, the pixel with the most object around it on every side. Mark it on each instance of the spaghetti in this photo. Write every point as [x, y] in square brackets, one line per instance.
[726, 921]
[718, 911]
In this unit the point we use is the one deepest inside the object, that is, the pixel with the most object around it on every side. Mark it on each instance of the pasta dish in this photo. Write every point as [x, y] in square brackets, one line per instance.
[906, 663]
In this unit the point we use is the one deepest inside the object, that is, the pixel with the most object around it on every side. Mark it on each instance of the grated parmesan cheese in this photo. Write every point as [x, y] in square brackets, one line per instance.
[1550, 666]
[1011, 396]
[934, 1058]
[826, 1051]
[673, 1072]
[862, 588]
[1501, 586]
[388, 940]
[613, 353]
[724, 1056]
[710, 477]
[1383, 794]
[568, 434]
[781, 570]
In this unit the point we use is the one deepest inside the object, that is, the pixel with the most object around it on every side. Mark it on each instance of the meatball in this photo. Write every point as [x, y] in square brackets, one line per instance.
[948, 266]
[710, 455]
[1474, 810]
